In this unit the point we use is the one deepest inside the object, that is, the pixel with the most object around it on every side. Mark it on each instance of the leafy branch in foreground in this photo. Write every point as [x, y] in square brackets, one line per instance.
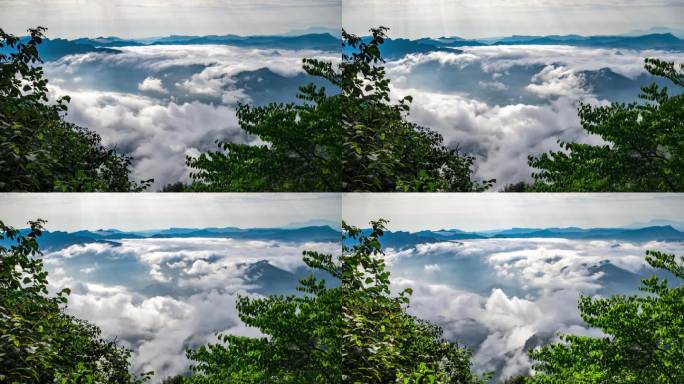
[643, 342]
[39, 342]
[382, 342]
[352, 332]
[301, 150]
[39, 151]
[383, 151]
[644, 150]
[354, 140]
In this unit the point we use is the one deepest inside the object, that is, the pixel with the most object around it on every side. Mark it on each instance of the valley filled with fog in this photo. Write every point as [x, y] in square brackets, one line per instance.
[161, 103]
[505, 102]
[499, 101]
[161, 292]
[504, 296]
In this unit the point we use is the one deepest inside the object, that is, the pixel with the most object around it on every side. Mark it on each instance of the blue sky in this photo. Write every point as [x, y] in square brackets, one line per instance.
[149, 18]
[487, 18]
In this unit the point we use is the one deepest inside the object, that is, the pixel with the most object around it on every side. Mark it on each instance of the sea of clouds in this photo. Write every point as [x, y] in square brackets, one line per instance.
[499, 103]
[501, 297]
[503, 103]
[161, 296]
[163, 103]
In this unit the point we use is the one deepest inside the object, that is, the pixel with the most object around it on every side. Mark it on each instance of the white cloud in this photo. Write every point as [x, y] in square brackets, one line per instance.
[555, 81]
[499, 58]
[493, 85]
[199, 277]
[151, 84]
[501, 137]
[158, 135]
[172, 119]
[500, 125]
[503, 296]
[158, 328]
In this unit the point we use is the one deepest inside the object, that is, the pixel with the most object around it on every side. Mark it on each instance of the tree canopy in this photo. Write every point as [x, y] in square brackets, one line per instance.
[39, 151]
[301, 150]
[382, 342]
[643, 340]
[301, 340]
[643, 150]
[39, 342]
[383, 151]
[355, 139]
[353, 331]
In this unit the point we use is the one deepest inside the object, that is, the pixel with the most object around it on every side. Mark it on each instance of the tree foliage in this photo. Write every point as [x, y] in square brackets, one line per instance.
[644, 149]
[354, 332]
[39, 342]
[301, 150]
[383, 151]
[301, 340]
[643, 342]
[39, 151]
[356, 139]
[382, 342]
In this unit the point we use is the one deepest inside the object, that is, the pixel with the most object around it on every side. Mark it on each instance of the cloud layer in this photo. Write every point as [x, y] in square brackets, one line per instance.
[163, 103]
[504, 296]
[503, 103]
[161, 296]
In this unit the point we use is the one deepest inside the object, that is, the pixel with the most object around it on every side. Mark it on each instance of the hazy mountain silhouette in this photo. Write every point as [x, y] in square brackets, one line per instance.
[401, 239]
[59, 239]
[662, 41]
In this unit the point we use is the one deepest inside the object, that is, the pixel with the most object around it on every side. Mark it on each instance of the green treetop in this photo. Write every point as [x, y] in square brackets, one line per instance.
[643, 150]
[39, 151]
[382, 342]
[355, 139]
[355, 331]
[383, 151]
[643, 342]
[39, 342]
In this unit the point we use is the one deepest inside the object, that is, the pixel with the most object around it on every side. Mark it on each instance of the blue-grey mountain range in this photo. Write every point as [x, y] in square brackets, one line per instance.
[396, 48]
[55, 49]
[53, 240]
[403, 239]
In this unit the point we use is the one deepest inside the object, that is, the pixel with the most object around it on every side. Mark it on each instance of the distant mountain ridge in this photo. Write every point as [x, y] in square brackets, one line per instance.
[53, 240]
[660, 41]
[55, 49]
[402, 239]
[324, 40]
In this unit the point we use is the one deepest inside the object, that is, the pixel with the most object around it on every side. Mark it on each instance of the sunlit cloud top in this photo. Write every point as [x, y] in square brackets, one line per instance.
[149, 18]
[473, 19]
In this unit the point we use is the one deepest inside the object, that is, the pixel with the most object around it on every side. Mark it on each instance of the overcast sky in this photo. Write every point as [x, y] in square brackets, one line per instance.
[489, 18]
[149, 18]
[130, 211]
[413, 212]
